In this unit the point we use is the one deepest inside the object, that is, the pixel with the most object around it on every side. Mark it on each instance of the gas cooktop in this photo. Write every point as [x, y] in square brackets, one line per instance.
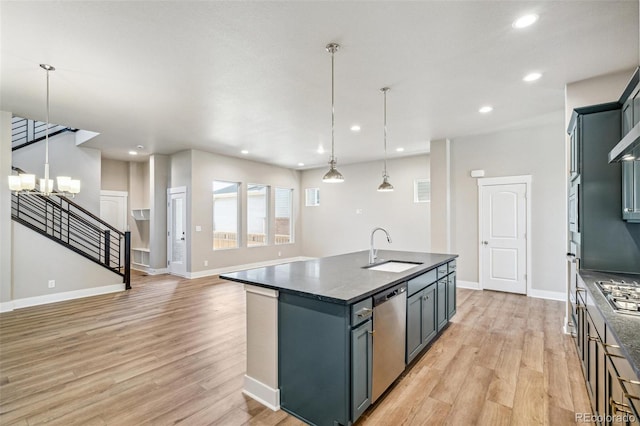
[622, 296]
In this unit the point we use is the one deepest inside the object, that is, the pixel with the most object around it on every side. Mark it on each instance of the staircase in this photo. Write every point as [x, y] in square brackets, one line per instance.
[25, 132]
[70, 225]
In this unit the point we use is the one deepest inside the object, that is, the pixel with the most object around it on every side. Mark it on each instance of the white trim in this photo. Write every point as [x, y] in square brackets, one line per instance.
[114, 193]
[268, 292]
[187, 225]
[546, 294]
[148, 270]
[468, 285]
[262, 393]
[234, 268]
[6, 307]
[67, 295]
[508, 180]
[177, 190]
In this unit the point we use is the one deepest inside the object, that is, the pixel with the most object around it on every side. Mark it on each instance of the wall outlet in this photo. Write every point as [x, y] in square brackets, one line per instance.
[206, 263]
[52, 283]
[279, 253]
[358, 211]
[198, 228]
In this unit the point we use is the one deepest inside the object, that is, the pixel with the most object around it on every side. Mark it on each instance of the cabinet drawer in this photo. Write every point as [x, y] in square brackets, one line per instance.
[361, 311]
[442, 271]
[421, 281]
[452, 266]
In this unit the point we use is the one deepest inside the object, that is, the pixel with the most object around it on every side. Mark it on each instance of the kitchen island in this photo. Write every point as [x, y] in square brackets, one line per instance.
[311, 327]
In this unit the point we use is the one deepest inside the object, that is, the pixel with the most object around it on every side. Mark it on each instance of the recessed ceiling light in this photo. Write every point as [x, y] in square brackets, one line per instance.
[355, 128]
[300, 164]
[532, 77]
[320, 150]
[133, 152]
[524, 21]
[486, 109]
[400, 149]
[244, 151]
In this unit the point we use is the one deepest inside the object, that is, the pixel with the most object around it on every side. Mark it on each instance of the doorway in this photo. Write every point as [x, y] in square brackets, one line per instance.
[504, 233]
[177, 231]
[113, 210]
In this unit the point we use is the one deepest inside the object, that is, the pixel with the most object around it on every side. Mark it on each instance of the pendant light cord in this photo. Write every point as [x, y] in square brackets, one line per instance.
[384, 91]
[46, 137]
[333, 112]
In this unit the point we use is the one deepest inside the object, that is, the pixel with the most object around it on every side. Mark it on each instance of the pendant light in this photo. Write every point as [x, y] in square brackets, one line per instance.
[25, 182]
[333, 175]
[385, 186]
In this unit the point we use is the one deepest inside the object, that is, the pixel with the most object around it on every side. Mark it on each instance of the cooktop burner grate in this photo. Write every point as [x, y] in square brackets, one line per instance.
[622, 296]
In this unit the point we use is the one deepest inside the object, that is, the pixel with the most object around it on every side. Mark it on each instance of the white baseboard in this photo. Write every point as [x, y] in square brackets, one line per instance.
[468, 284]
[234, 268]
[59, 297]
[546, 294]
[150, 271]
[262, 393]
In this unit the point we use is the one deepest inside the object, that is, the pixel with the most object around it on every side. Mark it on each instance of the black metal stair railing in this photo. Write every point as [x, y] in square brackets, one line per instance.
[25, 132]
[62, 220]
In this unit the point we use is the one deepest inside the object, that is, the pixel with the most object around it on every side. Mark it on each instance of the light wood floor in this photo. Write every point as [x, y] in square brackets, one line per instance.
[173, 351]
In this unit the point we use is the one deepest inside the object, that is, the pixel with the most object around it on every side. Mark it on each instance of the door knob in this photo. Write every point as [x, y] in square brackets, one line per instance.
[485, 242]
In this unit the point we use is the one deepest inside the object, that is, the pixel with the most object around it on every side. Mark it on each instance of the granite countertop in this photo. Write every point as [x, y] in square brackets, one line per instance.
[338, 279]
[625, 327]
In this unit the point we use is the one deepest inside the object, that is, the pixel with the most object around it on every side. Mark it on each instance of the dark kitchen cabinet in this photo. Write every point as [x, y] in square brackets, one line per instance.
[441, 294]
[361, 368]
[451, 295]
[604, 241]
[421, 321]
[631, 191]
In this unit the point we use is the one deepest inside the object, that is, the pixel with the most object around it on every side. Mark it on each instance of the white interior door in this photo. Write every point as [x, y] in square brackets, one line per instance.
[177, 231]
[113, 208]
[503, 237]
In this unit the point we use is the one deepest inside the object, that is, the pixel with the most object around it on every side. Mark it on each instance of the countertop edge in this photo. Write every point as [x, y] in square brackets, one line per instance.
[607, 314]
[401, 278]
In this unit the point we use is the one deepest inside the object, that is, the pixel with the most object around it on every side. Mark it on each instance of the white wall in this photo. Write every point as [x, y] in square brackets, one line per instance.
[197, 170]
[66, 159]
[114, 175]
[5, 209]
[37, 259]
[158, 183]
[335, 227]
[537, 151]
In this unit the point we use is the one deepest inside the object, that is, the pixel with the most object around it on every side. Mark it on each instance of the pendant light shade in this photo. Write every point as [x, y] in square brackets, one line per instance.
[333, 175]
[385, 186]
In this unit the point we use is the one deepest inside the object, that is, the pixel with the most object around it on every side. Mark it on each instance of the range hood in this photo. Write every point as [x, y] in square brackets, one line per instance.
[628, 148]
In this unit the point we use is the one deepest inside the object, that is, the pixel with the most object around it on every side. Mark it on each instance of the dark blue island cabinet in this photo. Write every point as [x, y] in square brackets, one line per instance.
[325, 359]
[326, 337]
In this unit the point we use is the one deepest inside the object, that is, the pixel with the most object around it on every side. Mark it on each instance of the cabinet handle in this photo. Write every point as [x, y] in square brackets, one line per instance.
[594, 338]
[624, 388]
[581, 289]
[619, 406]
[371, 332]
[425, 297]
[364, 312]
[607, 353]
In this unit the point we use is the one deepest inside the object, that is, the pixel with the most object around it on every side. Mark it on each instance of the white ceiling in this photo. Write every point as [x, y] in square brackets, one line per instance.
[227, 76]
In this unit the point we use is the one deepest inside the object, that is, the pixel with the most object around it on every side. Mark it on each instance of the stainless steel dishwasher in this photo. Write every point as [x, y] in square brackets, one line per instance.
[389, 337]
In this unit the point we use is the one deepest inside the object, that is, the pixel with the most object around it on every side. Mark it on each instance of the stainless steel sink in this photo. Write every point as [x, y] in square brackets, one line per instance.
[393, 266]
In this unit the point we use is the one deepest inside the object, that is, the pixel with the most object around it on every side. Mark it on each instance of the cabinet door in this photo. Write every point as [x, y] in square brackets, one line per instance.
[627, 116]
[414, 325]
[636, 107]
[442, 303]
[451, 295]
[594, 373]
[574, 138]
[361, 368]
[429, 325]
[631, 191]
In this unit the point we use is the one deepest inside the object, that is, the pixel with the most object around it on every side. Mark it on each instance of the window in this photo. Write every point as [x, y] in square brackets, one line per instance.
[284, 216]
[257, 215]
[312, 197]
[225, 215]
[421, 191]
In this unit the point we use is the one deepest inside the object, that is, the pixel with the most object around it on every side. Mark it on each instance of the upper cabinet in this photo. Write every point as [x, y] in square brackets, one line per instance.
[628, 147]
[631, 191]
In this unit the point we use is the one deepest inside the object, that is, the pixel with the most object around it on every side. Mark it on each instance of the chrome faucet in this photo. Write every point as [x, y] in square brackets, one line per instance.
[373, 253]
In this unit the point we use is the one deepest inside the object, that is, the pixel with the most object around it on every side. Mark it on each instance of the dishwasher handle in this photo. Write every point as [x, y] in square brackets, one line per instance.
[389, 294]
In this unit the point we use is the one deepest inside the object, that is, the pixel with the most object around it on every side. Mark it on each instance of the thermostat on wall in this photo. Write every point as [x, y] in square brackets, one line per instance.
[477, 173]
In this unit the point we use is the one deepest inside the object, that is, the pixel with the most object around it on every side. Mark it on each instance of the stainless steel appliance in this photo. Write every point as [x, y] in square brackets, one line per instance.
[389, 337]
[622, 296]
